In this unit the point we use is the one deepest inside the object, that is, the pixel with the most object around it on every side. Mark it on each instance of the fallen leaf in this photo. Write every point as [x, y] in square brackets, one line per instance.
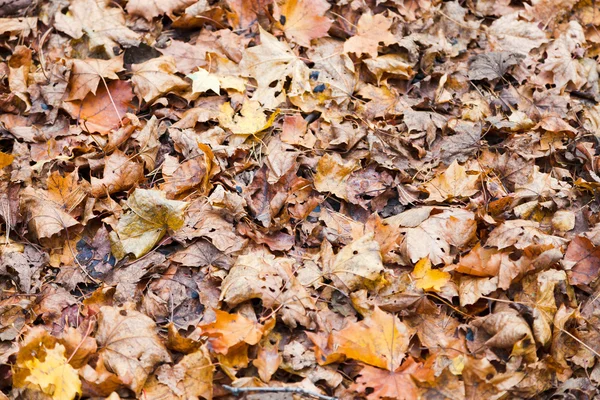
[87, 74]
[333, 173]
[231, 330]
[357, 265]
[301, 26]
[156, 77]
[508, 33]
[129, 345]
[378, 383]
[120, 173]
[203, 81]
[156, 7]
[582, 260]
[270, 63]
[451, 184]
[150, 216]
[427, 278]
[104, 110]
[493, 65]
[370, 31]
[103, 26]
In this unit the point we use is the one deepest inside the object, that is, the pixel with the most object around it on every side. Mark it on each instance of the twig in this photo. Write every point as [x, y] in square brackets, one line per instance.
[238, 391]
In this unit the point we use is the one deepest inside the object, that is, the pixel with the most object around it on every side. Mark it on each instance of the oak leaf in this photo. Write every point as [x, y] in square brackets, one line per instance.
[129, 345]
[149, 217]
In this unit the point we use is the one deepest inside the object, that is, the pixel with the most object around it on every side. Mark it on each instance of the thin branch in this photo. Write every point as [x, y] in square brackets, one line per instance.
[239, 391]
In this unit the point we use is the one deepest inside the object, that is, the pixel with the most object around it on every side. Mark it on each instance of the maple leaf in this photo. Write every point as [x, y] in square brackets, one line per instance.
[582, 259]
[45, 217]
[427, 278]
[156, 77]
[87, 74]
[54, 376]
[120, 173]
[203, 81]
[231, 330]
[303, 20]
[453, 183]
[104, 26]
[269, 64]
[370, 31]
[493, 65]
[250, 120]
[149, 218]
[102, 111]
[521, 233]
[380, 340]
[383, 384]
[190, 378]
[333, 173]
[357, 264]
[508, 33]
[154, 8]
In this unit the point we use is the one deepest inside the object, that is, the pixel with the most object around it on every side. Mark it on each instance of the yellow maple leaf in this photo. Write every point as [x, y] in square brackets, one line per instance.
[453, 183]
[54, 376]
[427, 278]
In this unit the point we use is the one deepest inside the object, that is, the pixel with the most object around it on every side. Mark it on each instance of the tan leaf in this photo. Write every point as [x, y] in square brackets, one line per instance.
[271, 63]
[150, 216]
[129, 345]
[120, 173]
[87, 74]
[156, 77]
[154, 8]
[103, 25]
[333, 173]
[357, 265]
[453, 183]
[370, 31]
[45, 217]
[508, 33]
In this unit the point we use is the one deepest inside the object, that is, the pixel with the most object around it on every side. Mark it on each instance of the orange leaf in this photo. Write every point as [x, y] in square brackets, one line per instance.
[398, 384]
[103, 111]
[230, 330]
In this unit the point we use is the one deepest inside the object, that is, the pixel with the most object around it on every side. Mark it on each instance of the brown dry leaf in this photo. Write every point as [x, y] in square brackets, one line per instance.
[270, 64]
[380, 340]
[453, 183]
[303, 20]
[508, 33]
[87, 74]
[187, 56]
[154, 8]
[428, 234]
[245, 12]
[333, 173]
[378, 383]
[371, 30]
[129, 345]
[582, 260]
[45, 217]
[156, 77]
[120, 173]
[269, 358]
[104, 110]
[190, 378]
[493, 65]
[357, 265]
[229, 331]
[104, 26]
[521, 234]
[150, 216]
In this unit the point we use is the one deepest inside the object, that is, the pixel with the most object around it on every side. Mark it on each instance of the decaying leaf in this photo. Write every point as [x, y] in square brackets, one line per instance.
[150, 216]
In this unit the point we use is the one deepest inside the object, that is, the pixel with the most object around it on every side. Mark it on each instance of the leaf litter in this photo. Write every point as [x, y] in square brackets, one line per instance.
[287, 198]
